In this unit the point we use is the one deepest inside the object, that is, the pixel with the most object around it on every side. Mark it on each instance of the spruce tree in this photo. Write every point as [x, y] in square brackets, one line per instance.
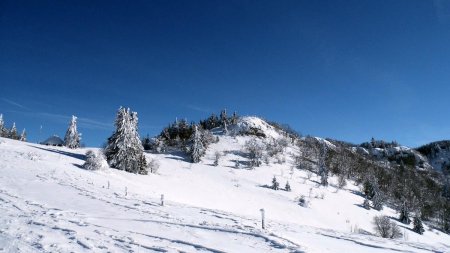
[13, 132]
[197, 149]
[275, 184]
[323, 169]
[223, 117]
[287, 187]
[418, 226]
[124, 150]
[404, 214]
[23, 136]
[72, 137]
[3, 131]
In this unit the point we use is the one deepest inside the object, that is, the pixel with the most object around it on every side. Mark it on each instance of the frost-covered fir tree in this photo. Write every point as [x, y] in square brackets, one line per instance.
[72, 137]
[124, 150]
[287, 187]
[223, 117]
[23, 136]
[13, 132]
[225, 128]
[275, 185]
[3, 131]
[234, 118]
[404, 214]
[418, 226]
[197, 149]
[323, 169]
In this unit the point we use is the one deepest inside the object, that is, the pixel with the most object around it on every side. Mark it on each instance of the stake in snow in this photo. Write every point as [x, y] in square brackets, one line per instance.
[72, 138]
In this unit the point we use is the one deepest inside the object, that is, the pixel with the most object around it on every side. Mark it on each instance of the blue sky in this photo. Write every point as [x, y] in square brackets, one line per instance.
[349, 70]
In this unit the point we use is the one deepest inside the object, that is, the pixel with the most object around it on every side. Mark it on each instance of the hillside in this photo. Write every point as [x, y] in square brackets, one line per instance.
[50, 204]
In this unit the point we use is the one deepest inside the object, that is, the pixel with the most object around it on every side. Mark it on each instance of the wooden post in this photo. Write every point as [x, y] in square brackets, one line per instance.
[108, 184]
[162, 199]
[262, 218]
[126, 191]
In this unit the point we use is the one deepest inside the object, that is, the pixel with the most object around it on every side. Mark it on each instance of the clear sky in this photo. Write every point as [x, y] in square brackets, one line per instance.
[349, 70]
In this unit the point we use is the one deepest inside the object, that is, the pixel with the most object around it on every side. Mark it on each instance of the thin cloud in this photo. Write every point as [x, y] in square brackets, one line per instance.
[198, 108]
[60, 118]
[14, 103]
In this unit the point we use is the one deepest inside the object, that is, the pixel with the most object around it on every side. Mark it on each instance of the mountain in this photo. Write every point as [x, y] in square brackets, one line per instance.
[49, 203]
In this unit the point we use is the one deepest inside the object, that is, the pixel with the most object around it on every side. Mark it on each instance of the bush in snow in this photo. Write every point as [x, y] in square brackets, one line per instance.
[302, 201]
[153, 165]
[385, 228]
[95, 161]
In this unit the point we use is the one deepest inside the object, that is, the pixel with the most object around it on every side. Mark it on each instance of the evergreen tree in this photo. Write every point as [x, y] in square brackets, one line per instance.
[234, 118]
[404, 214]
[418, 226]
[13, 132]
[124, 150]
[287, 187]
[3, 130]
[72, 137]
[323, 169]
[275, 184]
[377, 201]
[225, 128]
[223, 117]
[23, 136]
[366, 204]
[197, 149]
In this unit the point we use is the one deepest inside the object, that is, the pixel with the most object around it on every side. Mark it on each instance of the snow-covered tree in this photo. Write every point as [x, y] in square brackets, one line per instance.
[23, 135]
[124, 150]
[404, 214]
[197, 149]
[255, 152]
[72, 137]
[275, 185]
[3, 130]
[153, 165]
[223, 117]
[287, 187]
[95, 161]
[418, 226]
[366, 204]
[13, 132]
[217, 156]
[234, 118]
[323, 169]
[377, 200]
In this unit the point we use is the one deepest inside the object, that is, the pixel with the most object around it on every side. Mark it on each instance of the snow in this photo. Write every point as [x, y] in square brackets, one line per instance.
[246, 123]
[48, 203]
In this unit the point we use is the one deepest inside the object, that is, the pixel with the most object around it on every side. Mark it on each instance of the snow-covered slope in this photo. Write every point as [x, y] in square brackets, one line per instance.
[48, 203]
[251, 125]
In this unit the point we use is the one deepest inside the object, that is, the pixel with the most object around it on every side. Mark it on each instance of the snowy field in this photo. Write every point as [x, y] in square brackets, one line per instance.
[48, 203]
